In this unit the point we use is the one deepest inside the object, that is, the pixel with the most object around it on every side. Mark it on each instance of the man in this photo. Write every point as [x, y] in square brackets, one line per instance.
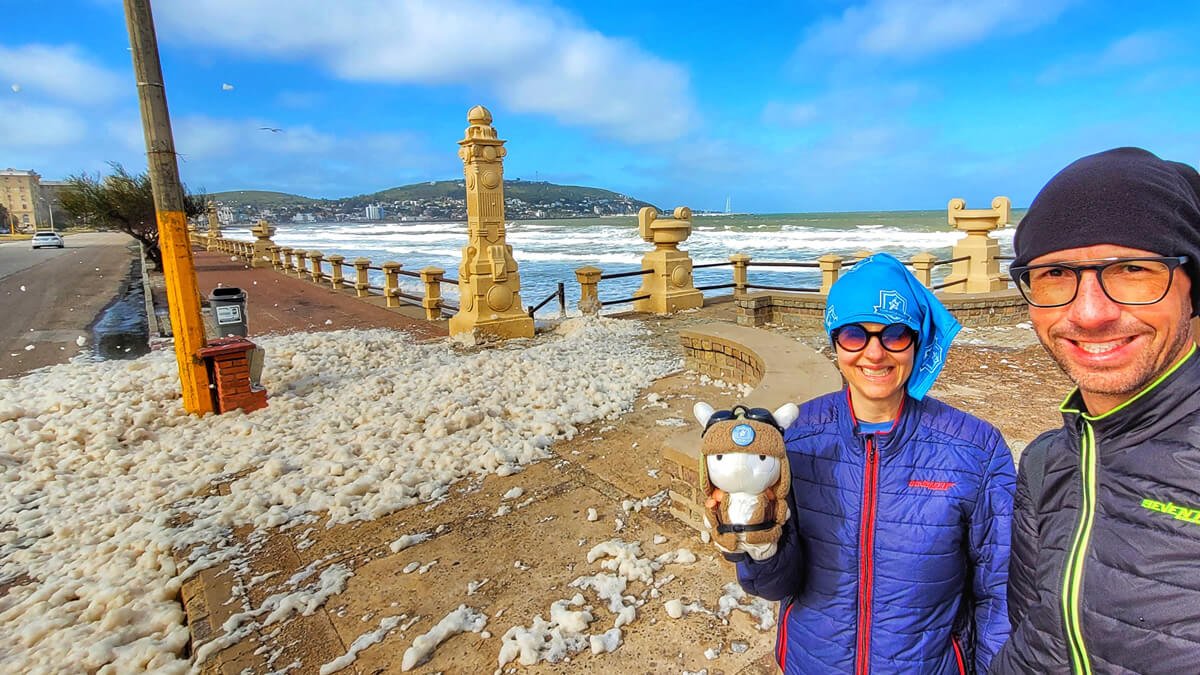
[1105, 568]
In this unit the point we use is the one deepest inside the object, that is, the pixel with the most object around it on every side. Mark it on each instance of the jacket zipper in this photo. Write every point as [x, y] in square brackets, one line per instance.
[962, 668]
[866, 564]
[782, 638]
[1073, 573]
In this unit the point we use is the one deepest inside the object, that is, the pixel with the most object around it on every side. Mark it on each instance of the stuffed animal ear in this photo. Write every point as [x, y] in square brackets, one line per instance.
[786, 414]
[702, 411]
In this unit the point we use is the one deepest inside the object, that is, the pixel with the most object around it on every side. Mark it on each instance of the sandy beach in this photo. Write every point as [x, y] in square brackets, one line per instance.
[384, 512]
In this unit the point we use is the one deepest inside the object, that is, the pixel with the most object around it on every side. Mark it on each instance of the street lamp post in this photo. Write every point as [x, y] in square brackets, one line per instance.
[50, 210]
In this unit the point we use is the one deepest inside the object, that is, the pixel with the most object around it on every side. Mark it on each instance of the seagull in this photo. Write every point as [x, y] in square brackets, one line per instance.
[273, 130]
[225, 86]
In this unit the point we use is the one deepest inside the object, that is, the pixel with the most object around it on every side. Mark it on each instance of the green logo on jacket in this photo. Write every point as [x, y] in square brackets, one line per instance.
[1187, 515]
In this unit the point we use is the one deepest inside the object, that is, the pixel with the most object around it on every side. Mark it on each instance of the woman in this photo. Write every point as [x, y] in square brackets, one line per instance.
[895, 557]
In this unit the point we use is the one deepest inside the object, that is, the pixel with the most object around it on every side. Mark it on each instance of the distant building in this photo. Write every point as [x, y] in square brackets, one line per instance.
[225, 214]
[20, 192]
[374, 212]
[304, 218]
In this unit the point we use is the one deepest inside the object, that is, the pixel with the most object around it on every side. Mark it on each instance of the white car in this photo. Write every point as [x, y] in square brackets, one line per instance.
[41, 239]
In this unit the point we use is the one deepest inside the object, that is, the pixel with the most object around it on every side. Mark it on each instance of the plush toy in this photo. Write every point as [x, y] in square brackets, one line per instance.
[745, 476]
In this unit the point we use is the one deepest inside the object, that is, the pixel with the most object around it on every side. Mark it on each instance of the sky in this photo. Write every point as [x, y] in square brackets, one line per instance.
[784, 107]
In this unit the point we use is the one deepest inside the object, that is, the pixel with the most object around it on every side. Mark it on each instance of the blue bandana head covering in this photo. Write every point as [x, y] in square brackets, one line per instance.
[880, 289]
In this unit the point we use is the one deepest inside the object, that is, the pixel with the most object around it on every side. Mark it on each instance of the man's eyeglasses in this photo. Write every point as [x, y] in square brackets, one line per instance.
[1126, 281]
[741, 412]
[894, 337]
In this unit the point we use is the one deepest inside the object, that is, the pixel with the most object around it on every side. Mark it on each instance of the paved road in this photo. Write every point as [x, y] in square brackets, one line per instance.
[50, 297]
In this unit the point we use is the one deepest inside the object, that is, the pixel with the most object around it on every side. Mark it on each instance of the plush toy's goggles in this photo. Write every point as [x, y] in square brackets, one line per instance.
[741, 412]
[894, 337]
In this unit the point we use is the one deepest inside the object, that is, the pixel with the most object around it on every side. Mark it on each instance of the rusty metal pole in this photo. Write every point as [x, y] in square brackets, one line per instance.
[183, 294]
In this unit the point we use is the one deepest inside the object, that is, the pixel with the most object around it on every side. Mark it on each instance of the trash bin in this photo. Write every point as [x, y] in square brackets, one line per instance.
[229, 311]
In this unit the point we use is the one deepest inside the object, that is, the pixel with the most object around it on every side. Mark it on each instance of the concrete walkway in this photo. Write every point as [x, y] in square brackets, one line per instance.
[278, 303]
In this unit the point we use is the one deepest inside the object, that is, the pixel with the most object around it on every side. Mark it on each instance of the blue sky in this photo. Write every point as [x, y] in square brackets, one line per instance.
[783, 107]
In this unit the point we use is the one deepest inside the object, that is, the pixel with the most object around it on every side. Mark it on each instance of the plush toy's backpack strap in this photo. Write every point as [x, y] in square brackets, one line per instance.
[739, 529]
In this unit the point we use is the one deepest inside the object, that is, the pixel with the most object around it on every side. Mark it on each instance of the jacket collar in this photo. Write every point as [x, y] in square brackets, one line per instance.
[1173, 395]
[902, 427]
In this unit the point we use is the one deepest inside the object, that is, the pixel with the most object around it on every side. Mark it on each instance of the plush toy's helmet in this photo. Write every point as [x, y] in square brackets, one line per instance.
[742, 449]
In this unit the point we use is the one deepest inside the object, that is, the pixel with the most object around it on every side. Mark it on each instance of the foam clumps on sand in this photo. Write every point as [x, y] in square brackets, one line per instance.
[565, 633]
[462, 620]
[105, 479]
[407, 540]
[734, 598]
[386, 625]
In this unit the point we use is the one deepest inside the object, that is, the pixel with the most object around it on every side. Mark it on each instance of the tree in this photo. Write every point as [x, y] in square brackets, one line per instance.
[121, 202]
[7, 221]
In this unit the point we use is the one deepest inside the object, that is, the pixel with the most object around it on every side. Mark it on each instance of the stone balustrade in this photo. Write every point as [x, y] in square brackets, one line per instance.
[335, 271]
[310, 266]
[301, 262]
[667, 284]
[317, 258]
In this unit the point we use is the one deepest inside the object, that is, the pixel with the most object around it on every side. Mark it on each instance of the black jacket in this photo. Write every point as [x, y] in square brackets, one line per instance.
[1105, 569]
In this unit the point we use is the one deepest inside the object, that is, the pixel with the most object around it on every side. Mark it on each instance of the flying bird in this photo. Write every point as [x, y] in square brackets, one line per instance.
[16, 88]
[273, 130]
[225, 86]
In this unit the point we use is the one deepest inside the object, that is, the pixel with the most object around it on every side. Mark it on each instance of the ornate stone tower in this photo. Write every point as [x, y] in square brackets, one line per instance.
[214, 225]
[488, 283]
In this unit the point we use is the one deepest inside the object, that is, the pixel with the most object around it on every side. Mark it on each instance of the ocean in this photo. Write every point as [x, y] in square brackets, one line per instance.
[549, 251]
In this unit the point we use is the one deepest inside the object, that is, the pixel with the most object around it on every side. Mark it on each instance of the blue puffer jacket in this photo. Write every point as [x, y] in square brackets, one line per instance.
[895, 557]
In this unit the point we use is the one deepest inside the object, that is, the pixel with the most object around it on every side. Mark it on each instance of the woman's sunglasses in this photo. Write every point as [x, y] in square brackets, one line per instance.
[894, 337]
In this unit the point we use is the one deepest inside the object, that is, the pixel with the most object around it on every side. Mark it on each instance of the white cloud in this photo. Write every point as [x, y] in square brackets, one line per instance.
[1131, 51]
[789, 114]
[37, 126]
[62, 72]
[848, 106]
[910, 29]
[219, 154]
[530, 58]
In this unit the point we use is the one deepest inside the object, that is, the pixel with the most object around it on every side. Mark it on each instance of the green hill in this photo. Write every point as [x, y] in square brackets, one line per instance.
[261, 199]
[537, 192]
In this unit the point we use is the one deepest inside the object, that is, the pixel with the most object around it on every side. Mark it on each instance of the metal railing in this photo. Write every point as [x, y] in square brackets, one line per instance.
[560, 293]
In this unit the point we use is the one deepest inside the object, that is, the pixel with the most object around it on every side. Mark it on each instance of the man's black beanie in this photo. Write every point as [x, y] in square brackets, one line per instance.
[1126, 197]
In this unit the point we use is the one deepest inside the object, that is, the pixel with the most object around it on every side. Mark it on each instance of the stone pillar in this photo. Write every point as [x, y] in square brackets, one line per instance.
[741, 270]
[318, 274]
[831, 269]
[670, 284]
[276, 263]
[361, 283]
[261, 256]
[288, 265]
[922, 265]
[391, 283]
[301, 266]
[488, 282]
[589, 295]
[335, 271]
[982, 270]
[432, 302]
[214, 226]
